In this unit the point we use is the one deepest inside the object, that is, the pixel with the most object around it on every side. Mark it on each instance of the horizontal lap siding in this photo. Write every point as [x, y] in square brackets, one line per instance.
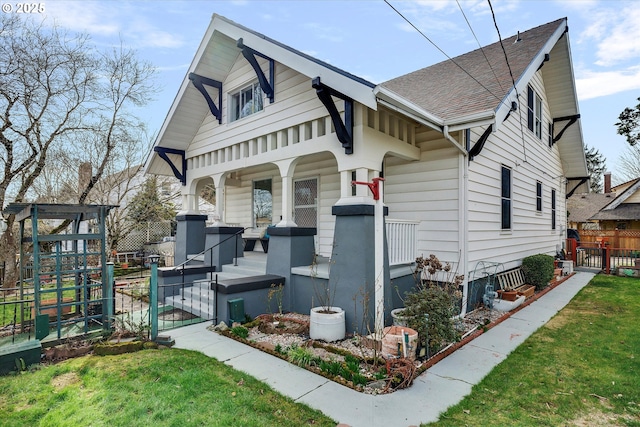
[295, 102]
[530, 160]
[427, 191]
[238, 199]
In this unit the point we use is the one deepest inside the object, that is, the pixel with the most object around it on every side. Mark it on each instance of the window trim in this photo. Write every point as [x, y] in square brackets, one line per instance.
[553, 208]
[538, 197]
[231, 114]
[534, 112]
[506, 199]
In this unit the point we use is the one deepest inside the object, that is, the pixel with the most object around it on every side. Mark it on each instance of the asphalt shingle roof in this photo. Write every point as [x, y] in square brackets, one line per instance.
[624, 212]
[445, 90]
[582, 207]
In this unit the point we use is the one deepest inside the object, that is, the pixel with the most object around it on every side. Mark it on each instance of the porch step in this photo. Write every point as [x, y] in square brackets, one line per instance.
[197, 308]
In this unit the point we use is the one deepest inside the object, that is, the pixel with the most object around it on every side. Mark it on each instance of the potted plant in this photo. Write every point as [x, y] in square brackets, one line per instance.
[327, 322]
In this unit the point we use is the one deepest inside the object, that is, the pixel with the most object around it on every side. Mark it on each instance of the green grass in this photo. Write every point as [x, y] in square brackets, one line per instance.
[582, 368]
[151, 387]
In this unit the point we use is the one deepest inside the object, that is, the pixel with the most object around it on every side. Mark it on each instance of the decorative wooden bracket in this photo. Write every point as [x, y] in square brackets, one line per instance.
[250, 55]
[572, 120]
[546, 59]
[479, 145]
[199, 82]
[344, 130]
[163, 151]
[373, 186]
[580, 182]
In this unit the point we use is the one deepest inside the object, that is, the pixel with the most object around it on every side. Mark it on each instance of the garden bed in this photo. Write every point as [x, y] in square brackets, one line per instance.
[352, 361]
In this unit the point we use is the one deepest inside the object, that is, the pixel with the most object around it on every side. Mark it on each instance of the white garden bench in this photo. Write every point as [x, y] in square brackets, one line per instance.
[513, 280]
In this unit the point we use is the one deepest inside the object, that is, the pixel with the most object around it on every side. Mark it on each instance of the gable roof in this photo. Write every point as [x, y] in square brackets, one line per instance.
[477, 81]
[441, 96]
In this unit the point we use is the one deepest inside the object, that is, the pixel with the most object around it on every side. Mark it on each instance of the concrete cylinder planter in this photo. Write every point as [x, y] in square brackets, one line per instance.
[327, 324]
[398, 318]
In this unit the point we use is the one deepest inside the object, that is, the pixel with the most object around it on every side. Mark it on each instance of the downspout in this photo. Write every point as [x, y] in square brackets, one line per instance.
[463, 217]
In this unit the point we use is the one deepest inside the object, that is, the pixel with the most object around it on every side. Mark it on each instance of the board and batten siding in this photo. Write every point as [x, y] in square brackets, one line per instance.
[427, 191]
[531, 160]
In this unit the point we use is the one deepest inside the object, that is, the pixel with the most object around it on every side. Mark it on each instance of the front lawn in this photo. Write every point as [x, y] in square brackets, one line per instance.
[580, 369]
[150, 387]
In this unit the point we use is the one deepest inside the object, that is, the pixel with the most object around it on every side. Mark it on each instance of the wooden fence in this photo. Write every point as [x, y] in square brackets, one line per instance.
[625, 239]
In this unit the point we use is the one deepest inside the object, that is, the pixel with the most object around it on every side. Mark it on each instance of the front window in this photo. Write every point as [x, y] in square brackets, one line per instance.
[245, 102]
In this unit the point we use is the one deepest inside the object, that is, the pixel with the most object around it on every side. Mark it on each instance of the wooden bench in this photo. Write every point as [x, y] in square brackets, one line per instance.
[513, 281]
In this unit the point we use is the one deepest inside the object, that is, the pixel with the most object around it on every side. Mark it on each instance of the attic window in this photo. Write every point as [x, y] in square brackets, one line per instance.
[245, 102]
[534, 112]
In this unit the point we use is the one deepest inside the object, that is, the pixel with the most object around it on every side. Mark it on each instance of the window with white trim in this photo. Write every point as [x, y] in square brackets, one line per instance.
[553, 209]
[534, 112]
[538, 196]
[245, 102]
[505, 211]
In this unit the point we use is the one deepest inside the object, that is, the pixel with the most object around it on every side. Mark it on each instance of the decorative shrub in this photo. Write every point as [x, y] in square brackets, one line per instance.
[538, 270]
[436, 294]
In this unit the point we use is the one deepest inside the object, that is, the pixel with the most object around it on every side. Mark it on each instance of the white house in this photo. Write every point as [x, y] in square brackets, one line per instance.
[476, 165]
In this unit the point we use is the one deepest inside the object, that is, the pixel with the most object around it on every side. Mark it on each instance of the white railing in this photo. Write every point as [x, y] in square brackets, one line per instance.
[402, 240]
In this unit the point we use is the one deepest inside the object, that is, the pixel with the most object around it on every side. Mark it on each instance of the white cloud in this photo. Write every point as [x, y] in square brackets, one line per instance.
[109, 19]
[622, 41]
[325, 32]
[596, 84]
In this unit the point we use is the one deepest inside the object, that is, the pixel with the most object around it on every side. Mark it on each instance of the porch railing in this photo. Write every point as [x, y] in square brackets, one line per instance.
[402, 241]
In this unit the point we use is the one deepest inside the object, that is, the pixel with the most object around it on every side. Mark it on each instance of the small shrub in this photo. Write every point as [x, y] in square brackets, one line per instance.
[538, 270]
[240, 331]
[301, 356]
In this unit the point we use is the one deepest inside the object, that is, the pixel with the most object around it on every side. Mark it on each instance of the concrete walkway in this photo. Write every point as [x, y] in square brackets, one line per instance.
[440, 387]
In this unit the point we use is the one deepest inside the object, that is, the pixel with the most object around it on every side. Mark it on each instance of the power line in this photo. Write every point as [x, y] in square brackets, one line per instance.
[442, 51]
[495, 23]
[479, 45]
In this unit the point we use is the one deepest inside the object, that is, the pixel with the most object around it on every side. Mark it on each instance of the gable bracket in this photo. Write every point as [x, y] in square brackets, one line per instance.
[546, 59]
[199, 82]
[250, 55]
[163, 151]
[344, 130]
[479, 145]
[580, 182]
[572, 120]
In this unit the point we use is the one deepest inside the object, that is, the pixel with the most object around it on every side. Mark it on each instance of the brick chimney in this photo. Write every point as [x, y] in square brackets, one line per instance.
[607, 182]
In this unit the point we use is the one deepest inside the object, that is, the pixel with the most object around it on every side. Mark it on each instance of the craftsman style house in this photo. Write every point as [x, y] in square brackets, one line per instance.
[476, 166]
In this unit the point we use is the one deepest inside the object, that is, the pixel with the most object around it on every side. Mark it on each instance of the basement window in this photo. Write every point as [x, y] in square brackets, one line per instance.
[246, 101]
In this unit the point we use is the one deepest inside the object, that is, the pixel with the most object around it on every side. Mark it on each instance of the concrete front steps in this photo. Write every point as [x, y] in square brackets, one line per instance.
[198, 298]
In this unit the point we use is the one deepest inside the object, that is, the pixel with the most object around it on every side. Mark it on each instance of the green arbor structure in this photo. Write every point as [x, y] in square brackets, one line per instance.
[64, 276]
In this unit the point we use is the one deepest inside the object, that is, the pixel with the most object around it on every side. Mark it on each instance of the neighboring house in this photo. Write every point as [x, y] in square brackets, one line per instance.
[582, 207]
[119, 189]
[622, 213]
[475, 169]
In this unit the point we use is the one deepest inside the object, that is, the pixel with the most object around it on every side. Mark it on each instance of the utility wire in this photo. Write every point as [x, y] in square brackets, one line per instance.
[513, 81]
[479, 45]
[501, 44]
[442, 51]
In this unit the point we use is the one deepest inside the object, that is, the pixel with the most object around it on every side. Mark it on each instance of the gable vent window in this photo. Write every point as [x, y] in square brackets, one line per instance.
[534, 112]
[506, 199]
[245, 102]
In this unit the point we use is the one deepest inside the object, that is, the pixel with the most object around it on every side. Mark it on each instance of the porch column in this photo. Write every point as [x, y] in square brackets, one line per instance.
[189, 206]
[361, 197]
[287, 168]
[218, 183]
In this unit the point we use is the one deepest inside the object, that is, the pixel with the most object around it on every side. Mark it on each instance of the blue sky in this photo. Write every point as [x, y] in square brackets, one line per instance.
[369, 39]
